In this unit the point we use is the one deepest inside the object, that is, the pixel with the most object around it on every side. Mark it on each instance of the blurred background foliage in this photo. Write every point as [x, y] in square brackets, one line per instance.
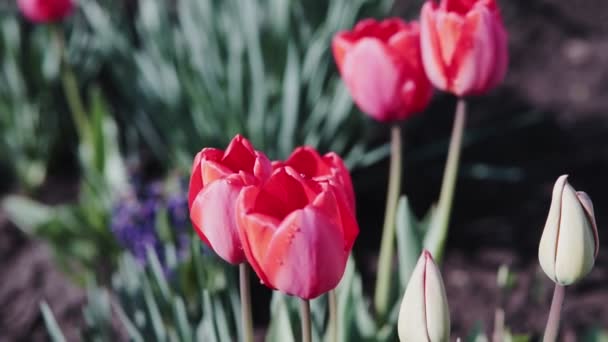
[153, 82]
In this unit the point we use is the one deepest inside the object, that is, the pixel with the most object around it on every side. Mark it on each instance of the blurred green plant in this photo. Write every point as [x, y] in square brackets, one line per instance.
[29, 112]
[190, 301]
[193, 73]
[79, 232]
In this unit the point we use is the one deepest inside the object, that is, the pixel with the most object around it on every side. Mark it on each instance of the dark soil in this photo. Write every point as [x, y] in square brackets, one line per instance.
[29, 277]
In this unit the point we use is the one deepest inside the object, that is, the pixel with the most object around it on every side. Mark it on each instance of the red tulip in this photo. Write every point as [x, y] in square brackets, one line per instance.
[330, 167]
[464, 45]
[380, 63]
[296, 233]
[216, 181]
[45, 11]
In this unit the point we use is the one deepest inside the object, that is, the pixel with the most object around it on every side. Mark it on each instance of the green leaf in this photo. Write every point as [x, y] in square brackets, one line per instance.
[158, 273]
[158, 325]
[291, 102]
[51, 324]
[132, 331]
[27, 214]
[181, 318]
[280, 329]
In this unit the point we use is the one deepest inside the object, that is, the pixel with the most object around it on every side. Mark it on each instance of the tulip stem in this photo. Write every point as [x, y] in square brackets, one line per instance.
[381, 296]
[552, 328]
[70, 85]
[437, 234]
[246, 320]
[333, 316]
[305, 316]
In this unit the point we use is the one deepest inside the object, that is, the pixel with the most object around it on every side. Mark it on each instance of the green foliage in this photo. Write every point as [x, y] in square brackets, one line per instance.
[194, 73]
[191, 301]
[79, 233]
[29, 113]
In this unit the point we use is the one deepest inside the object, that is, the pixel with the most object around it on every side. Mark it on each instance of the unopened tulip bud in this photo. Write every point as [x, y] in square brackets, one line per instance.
[569, 243]
[424, 314]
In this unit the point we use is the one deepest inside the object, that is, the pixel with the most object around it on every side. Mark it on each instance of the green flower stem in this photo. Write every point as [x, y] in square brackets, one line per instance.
[381, 296]
[246, 320]
[552, 328]
[333, 316]
[305, 317]
[70, 85]
[439, 232]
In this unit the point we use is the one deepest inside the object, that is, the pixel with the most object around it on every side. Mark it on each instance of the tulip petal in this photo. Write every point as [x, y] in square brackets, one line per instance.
[212, 171]
[302, 258]
[437, 314]
[308, 162]
[262, 168]
[430, 48]
[196, 180]
[548, 242]
[412, 317]
[343, 177]
[284, 192]
[500, 52]
[340, 45]
[213, 212]
[372, 78]
[474, 59]
[239, 155]
[575, 244]
[588, 206]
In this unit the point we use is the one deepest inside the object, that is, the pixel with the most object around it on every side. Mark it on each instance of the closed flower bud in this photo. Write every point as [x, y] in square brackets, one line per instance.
[424, 314]
[569, 243]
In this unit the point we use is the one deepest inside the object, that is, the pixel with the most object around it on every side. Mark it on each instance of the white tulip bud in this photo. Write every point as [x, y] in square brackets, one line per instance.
[569, 243]
[424, 313]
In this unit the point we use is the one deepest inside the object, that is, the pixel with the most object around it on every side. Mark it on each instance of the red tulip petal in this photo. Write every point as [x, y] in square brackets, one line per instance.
[262, 168]
[305, 258]
[196, 180]
[340, 45]
[342, 176]
[255, 231]
[501, 54]
[430, 47]
[213, 213]
[212, 171]
[474, 58]
[283, 193]
[406, 44]
[348, 221]
[239, 155]
[307, 161]
[372, 78]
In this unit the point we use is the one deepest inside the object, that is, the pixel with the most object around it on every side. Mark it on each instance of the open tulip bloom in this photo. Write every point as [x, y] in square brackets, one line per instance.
[381, 67]
[464, 45]
[296, 232]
